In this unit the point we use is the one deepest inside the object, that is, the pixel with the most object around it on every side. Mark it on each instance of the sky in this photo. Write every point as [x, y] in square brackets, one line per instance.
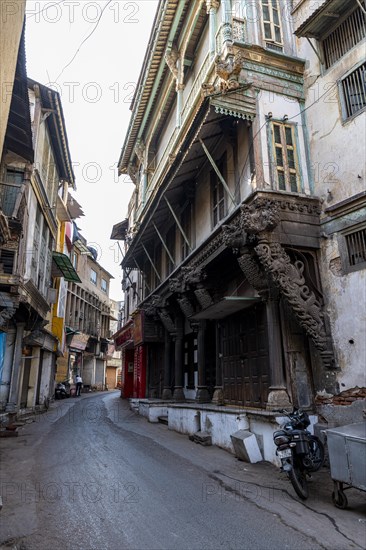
[92, 52]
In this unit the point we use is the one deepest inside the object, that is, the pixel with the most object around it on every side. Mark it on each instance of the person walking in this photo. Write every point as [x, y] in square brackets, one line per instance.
[79, 382]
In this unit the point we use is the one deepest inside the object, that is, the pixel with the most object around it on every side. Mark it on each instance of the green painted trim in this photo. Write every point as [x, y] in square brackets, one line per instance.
[161, 69]
[307, 147]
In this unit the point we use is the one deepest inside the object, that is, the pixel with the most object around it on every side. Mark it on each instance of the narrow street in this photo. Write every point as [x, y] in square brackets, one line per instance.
[85, 477]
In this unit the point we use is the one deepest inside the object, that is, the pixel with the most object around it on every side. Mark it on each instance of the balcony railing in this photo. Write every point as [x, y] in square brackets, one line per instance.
[193, 97]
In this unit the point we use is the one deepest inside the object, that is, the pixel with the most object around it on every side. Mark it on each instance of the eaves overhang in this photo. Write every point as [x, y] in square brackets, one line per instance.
[51, 101]
[18, 136]
[168, 17]
[319, 18]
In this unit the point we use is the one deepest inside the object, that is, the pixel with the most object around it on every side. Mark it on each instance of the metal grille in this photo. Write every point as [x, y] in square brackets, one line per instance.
[356, 247]
[354, 91]
[351, 31]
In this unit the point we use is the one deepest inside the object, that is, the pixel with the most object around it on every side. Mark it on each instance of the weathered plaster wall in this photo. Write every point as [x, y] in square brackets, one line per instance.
[337, 147]
[345, 306]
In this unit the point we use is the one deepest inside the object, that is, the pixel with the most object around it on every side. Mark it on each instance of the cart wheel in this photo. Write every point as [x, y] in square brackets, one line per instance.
[340, 501]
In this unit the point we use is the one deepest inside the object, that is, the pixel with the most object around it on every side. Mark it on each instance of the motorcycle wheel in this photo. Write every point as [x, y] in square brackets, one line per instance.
[298, 480]
[317, 452]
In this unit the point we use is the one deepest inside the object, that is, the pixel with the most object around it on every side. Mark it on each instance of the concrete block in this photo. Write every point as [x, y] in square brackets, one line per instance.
[246, 446]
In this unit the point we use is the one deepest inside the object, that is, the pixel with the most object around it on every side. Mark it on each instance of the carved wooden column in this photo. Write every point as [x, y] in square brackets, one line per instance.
[278, 396]
[167, 392]
[212, 7]
[178, 394]
[202, 395]
[218, 396]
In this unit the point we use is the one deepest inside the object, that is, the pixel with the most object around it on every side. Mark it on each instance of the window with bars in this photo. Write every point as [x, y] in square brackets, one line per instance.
[353, 92]
[218, 193]
[350, 31]
[9, 191]
[272, 24]
[354, 255]
[285, 157]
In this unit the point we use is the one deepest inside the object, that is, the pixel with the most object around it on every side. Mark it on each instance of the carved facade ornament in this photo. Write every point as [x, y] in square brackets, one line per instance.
[166, 319]
[233, 235]
[228, 71]
[253, 271]
[193, 275]
[171, 58]
[176, 284]
[186, 306]
[260, 216]
[6, 314]
[140, 150]
[212, 5]
[289, 278]
[204, 298]
[208, 89]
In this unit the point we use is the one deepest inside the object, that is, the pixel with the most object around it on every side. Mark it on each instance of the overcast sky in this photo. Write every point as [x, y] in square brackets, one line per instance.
[96, 85]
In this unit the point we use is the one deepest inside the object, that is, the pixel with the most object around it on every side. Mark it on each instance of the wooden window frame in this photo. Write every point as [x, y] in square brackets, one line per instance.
[289, 167]
[273, 7]
[91, 277]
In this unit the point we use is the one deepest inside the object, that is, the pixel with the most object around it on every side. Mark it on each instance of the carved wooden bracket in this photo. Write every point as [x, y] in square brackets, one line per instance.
[228, 70]
[253, 271]
[263, 215]
[289, 278]
[195, 276]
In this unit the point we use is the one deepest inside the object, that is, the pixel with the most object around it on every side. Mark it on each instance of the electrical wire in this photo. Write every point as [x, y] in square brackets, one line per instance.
[85, 39]
[29, 15]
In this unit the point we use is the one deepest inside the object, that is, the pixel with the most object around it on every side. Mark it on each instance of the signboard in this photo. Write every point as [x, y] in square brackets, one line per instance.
[138, 328]
[79, 341]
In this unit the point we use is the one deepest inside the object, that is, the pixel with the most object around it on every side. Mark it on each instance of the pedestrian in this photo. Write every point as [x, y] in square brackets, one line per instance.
[79, 382]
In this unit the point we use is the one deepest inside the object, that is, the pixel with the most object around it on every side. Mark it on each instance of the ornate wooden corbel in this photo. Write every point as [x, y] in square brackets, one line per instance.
[178, 286]
[194, 276]
[228, 71]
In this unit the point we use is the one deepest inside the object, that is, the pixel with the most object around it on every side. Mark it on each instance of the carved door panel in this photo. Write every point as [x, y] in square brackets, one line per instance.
[245, 358]
[297, 359]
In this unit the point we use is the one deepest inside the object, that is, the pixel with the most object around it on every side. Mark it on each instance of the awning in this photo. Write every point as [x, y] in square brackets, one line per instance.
[62, 267]
[119, 231]
[238, 103]
[227, 306]
[313, 19]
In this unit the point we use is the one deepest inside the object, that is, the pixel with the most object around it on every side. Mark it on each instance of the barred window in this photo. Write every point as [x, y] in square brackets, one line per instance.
[356, 249]
[285, 157]
[350, 31]
[353, 92]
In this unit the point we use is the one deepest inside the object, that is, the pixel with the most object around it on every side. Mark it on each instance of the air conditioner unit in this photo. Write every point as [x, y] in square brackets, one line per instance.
[52, 295]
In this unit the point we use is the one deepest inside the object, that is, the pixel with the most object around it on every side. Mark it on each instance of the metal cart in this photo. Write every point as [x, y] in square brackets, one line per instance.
[347, 457]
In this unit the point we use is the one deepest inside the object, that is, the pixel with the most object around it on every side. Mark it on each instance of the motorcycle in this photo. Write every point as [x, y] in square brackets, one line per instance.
[300, 452]
[62, 390]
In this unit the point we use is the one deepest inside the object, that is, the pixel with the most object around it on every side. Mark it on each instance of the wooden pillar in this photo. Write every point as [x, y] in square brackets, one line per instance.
[202, 395]
[218, 396]
[178, 394]
[278, 396]
[167, 392]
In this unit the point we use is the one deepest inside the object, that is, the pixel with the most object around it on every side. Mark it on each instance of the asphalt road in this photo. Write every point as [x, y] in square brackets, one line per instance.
[85, 476]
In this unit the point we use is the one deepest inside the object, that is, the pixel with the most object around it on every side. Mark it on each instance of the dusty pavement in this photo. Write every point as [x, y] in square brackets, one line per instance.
[259, 484]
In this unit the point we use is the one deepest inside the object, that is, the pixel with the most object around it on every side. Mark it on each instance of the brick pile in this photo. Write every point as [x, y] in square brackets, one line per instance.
[346, 397]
